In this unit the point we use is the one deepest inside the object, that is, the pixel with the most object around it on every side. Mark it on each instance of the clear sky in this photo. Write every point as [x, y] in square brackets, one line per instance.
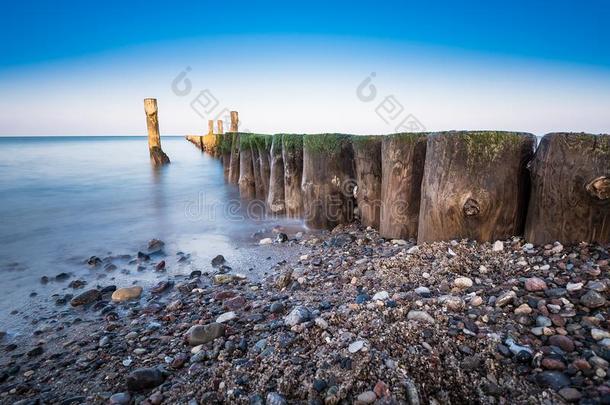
[79, 68]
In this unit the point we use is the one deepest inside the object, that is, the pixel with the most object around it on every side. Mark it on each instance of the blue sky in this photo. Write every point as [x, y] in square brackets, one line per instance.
[84, 67]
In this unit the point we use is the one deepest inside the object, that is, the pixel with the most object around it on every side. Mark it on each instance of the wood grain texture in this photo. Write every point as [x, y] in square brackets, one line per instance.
[247, 187]
[265, 169]
[292, 155]
[275, 198]
[402, 168]
[570, 199]
[328, 180]
[157, 156]
[256, 169]
[367, 162]
[234, 161]
[475, 185]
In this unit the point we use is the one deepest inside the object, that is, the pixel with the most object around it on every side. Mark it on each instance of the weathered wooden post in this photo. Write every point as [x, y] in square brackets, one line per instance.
[247, 186]
[402, 165]
[367, 159]
[275, 199]
[234, 160]
[292, 155]
[219, 125]
[256, 167]
[475, 185]
[224, 148]
[157, 155]
[234, 121]
[570, 198]
[264, 150]
[328, 180]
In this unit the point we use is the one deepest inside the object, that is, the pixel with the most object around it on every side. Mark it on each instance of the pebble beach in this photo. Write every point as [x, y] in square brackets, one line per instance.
[349, 317]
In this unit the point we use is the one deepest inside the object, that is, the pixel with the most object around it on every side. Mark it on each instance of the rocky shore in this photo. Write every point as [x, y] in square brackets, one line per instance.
[351, 318]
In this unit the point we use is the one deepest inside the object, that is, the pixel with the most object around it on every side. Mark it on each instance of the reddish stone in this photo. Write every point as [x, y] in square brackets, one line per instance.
[563, 342]
[553, 364]
[223, 295]
[381, 389]
[581, 364]
[557, 320]
[235, 303]
[533, 284]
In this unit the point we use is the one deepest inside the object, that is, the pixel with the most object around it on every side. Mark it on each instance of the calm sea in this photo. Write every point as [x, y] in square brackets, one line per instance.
[64, 199]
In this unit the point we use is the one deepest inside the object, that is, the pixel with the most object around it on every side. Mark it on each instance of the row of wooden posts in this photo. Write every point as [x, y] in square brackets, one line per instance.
[481, 185]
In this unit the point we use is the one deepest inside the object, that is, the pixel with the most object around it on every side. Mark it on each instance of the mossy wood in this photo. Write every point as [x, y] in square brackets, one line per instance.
[328, 180]
[157, 156]
[224, 149]
[234, 160]
[475, 185]
[247, 187]
[292, 155]
[570, 198]
[264, 149]
[367, 159]
[402, 168]
[275, 198]
[256, 168]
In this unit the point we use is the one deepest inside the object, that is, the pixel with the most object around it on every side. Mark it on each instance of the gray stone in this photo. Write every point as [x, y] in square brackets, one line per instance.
[298, 315]
[201, 334]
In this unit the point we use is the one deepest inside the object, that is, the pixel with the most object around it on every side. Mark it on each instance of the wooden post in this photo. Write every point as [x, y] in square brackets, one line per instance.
[367, 159]
[475, 185]
[292, 154]
[224, 149]
[402, 166]
[570, 198]
[234, 121]
[210, 127]
[256, 167]
[275, 199]
[264, 150]
[247, 186]
[157, 156]
[328, 180]
[235, 160]
[219, 124]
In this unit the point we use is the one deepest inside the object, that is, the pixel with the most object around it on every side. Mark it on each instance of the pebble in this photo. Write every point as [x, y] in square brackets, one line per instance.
[273, 398]
[563, 342]
[421, 316]
[523, 309]
[355, 346]
[218, 261]
[555, 380]
[265, 241]
[127, 294]
[227, 316]
[534, 284]
[201, 334]
[423, 291]
[321, 323]
[298, 315]
[462, 283]
[276, 308]
[498, 246]
[570, 394]
[223, 278]
[120, 398]
[505, 298]
[381, 296]
[571, 287]
[367, 397]
[599, 334]
[144, 378]
[86, 298]
[592, 299]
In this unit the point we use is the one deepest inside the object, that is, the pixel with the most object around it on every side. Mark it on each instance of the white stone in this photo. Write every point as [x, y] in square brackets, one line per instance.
[321, 323]
[574, 286]
[265, 241]
[599, 334]
[355, 346]
[498, 246]
[451, 252]
[420, 316]
[400, 242]
[381, 296]
[413, 249]
[227, 316]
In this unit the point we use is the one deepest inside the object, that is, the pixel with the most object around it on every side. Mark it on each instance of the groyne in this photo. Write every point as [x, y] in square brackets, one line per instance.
[479, 185]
